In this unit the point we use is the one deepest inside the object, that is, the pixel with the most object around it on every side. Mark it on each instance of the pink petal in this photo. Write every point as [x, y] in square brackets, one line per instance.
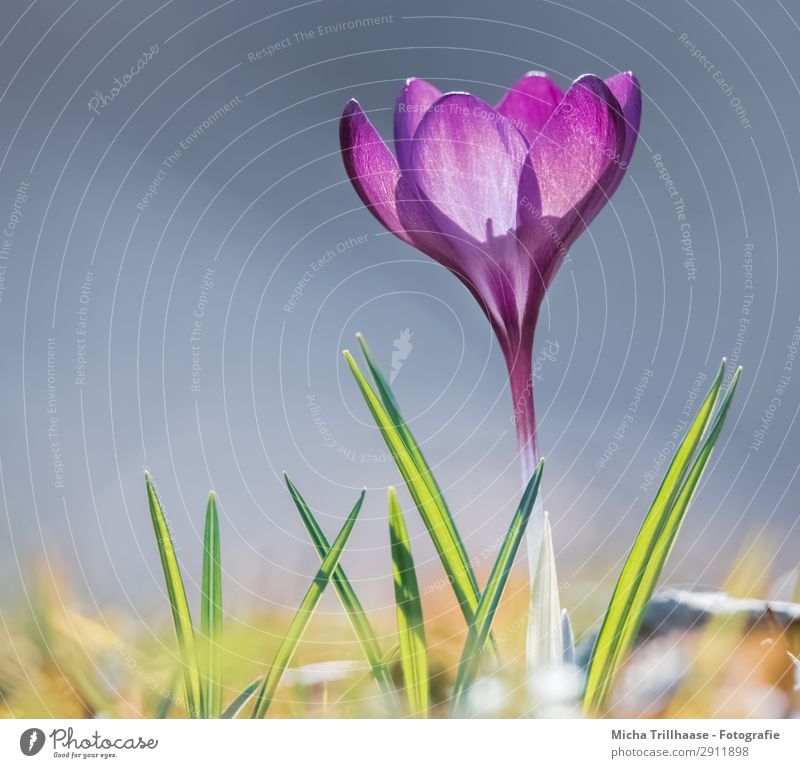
[467, 170]
[414, 101]
[627, 92]
[371, 167]
[530, 102]
[577, 151]
[467, 161]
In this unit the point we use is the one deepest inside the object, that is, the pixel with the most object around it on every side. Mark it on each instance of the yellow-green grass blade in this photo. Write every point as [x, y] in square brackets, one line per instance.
[389, 401]
[181, 615]
[392, 654]
[211, 612]
[410, 624]
[384, 390]
[480, 628]
[291, 639]
[350, 602]
[641, 571]
[166, 699]
[237, 705]
[436, 518]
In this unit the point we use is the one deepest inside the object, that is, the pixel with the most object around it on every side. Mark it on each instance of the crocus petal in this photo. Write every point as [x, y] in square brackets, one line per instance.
[466, 161]
[627, 92]
[414, 101]
[416, 220]
[466, 168]
[576, 153]
[371, 167]
[530, 102]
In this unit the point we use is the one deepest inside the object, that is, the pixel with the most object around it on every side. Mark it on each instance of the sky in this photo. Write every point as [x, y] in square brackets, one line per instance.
[184, 261]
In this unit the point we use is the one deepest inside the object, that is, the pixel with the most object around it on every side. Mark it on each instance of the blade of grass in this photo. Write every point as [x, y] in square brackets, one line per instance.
[211, 612]
[410, 626]
[479, 629]
[350, 602]
[393, 410]
[167, 697]
[567, 638]
[545, 641]
[181, 616]
[237, 705]
[387, 658]
[303, 615]
[639, 575]
[427, 500]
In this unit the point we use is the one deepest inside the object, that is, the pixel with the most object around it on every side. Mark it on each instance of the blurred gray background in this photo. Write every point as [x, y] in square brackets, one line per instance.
[102, 283]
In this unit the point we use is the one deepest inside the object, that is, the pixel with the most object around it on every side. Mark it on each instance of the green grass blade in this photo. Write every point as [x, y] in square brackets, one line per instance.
[480, 628]
[166, 700]
[350, 602]
[211, 612]
[237, 705]
[427, 500]
[304, 613]
[410, 626]
[639, 575]
[393, 410]
[664, 544]
[181, 615]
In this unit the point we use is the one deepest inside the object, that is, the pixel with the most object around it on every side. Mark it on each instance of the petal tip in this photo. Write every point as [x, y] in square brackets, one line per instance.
[351, 109]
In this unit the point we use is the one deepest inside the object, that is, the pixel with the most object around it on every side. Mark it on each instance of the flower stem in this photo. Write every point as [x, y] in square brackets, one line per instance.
[520, 376]
[544, 642]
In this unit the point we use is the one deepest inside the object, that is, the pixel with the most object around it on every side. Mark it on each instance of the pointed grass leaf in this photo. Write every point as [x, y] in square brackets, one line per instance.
[350, 602]
[479, 629]
[545, 632]
[211, 612]
[166, 699]
[237, 705]
[643, 566]
[427, 499]
[291, 639]
[567, 638]
[410, 626]
[393, 409]
[181, 615]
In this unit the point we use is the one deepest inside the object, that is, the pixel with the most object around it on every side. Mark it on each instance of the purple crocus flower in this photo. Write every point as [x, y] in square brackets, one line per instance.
[498, 194]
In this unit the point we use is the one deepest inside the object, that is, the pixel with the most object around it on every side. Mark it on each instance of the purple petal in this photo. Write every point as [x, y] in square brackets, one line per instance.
[463, 199]
[576, 154]
[540, 247]
[416, 220]
[530, 102]
[627, 92]
[371, 167]
[414, 101]
[467, 161]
